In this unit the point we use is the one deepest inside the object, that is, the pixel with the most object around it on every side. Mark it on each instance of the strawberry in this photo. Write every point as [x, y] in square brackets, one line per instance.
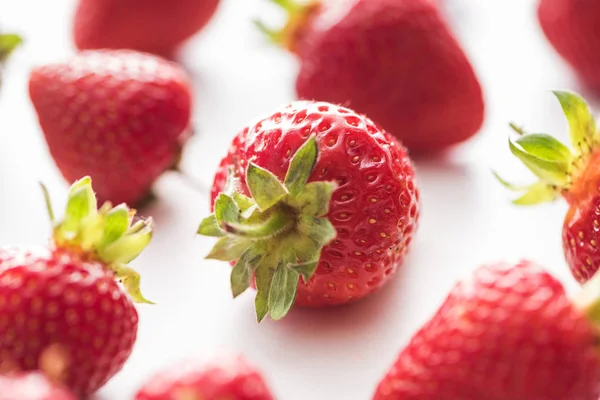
[573, 29]
[32, 386]
[230, 377]
[154, 26]
[8, 43]
[61, 308]
[395, 61]
[118, 116]
[572, 174]
[508, 333]
[312, 190]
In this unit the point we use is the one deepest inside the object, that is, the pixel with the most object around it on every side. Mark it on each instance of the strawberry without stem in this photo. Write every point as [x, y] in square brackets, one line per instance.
[31, 386]
[154, 26]
[507, 333]
[318, 191]
[120, 117]
[61, 309]
[227, 377]
[573, 29]
[571, 173]
[395, 61]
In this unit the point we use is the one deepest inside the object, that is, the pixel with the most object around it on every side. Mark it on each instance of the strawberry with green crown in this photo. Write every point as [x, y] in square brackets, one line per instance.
[315, 205]
[62, 308]
[572, 173]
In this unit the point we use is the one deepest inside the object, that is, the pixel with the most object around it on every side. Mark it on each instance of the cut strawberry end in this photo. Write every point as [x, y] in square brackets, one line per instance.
[560, 170]
[107, 235]
[298, 14]
[276, 235]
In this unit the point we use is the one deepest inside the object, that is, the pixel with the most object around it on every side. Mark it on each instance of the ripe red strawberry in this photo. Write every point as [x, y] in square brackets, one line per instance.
[61, 309]
[573, 29]
[31, 386]
[395, 61]
[119, 116]
[231, 377]
[345, 231]
[154, 26]
[508, 333]
[572, 174]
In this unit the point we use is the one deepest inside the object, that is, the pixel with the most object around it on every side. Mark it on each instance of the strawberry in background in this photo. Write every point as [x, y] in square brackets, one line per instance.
[229, 376]
[119, 116]
[315, 205]
[395, 61]
[573, 29]
[508, 332]
[154, 26]
[571, 173]
[32, 386]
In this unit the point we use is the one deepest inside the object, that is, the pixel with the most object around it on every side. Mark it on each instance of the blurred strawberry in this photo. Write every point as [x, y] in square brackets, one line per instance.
[395, 61]
[118, 116]
[31, 386]
[229, 377]
[154, 26]
[573, 29]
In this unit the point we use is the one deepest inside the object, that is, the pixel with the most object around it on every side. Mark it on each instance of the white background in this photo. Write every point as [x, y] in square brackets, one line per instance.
[329, 354]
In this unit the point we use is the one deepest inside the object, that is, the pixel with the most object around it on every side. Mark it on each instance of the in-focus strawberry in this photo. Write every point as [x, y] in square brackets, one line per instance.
[62, 308]
[229, 377]
[573, 174]
[32, 386]
[395, 61]
[508, 333]
[153, 26]
[573, 29]
[118, 116]
[318, 191]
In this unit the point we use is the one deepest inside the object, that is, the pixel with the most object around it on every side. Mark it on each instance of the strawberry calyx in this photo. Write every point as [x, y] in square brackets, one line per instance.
[276, 235]
[8, 43]
[106, 234]
[298, 13]
[557, 167]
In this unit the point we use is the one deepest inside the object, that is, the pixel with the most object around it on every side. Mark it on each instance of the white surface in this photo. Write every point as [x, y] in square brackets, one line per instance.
[333, 354]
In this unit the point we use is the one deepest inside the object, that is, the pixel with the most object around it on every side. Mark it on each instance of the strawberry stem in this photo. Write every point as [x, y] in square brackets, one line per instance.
[277, 222]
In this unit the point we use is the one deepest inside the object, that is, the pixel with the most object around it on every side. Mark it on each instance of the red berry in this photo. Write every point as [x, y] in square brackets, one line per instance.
[61, 309]
[154, 26]
[31, 386]
[508, 333]
[573, 29]
[572, 174]
[230, 377]
[395, 61]
[117, 116]
[353, 221]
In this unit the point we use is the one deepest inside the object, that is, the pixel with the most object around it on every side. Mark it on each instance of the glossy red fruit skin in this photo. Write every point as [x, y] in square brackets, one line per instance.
[229, 377]
[56, 300]
[374, 209]
[118, 116]
[398, 63]
[509, 333]
[153, 26]
[31, 386]
[573, 28]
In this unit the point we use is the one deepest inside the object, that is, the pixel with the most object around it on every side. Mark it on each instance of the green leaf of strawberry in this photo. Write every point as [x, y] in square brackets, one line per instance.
[105, 234]
[8, 43]
[277, 235]
[582, 127]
